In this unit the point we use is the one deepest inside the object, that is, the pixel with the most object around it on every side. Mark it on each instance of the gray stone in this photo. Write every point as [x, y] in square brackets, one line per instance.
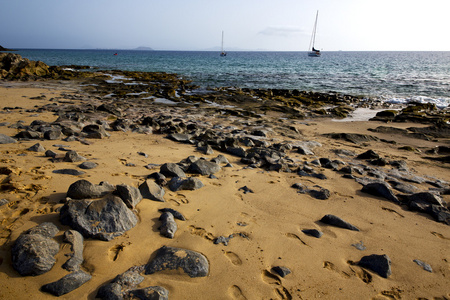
[380, 264]
[4, 139]
[181, 137]
[192, 263]
[75, 239]
[176, 214]
[424, 265]
[150, 293]
[87, 165]
[116, 289]
[204, 167]
[338, 222]
[53, 134]
[3, 202]
[37, 148]
[190, 183]
[380, 189]
[73, 156]
[130, 195]
[313, 232]
[73, 172]
[427, 197]
[50, 153]
[168, 225]
[220, 159]
[83, 189]
[95, 131]
[282, 271]
[34, 251]
[67, 284]
[102, 219]
[151, 190]
[172, 170]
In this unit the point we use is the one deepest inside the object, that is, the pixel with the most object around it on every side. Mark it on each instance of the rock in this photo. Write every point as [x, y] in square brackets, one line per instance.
[75, 239]
[150, 190]
[245, 189]
[380, 189]
[95, 131]
[116, 289]
[338, 222]
[130, 195]
[50, 153]
[369, 154]
[102, 219]
[282, 271]
[223, 240]
[73, 156]
[176, 214]
[172, 170]
[67, 284]
[313, 232]
[220, 159]
[83, 189]
[352, 137]
[4, 139]
[181, 138]
[380, 264]
[424, 265]
[150, 293]
[87, 165]
[439, 213]
[168, 225]
[34, 251]
[37, 148]
[3, 202]
[360, 246]
[427, 197]
[53, 134]
[68, 172]
[190, 183]
[204, 167]
[321, 194]
[192, 263]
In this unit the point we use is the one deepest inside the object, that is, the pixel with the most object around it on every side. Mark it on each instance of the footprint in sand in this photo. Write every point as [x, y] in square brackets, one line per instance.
[234, 258]
[360, 272]
[272, 279]
[330, 266]
[201, 232]
[441, 236]
[115, 251]
[294, 236]
[236, 293]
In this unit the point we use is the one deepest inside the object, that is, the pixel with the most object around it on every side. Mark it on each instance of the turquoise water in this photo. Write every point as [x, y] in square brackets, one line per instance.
[390, 76]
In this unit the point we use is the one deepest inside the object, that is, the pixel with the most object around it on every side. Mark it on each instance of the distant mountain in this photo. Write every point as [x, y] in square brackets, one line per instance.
[143, 48]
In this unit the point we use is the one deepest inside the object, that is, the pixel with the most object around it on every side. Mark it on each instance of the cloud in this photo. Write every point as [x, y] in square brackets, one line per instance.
[280, 31]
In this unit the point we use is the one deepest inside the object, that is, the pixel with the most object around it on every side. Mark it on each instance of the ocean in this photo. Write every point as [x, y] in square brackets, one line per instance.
[396, 77]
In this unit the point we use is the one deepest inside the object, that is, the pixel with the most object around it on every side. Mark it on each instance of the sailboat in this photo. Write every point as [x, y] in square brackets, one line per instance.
[314, 52]
[223, 53]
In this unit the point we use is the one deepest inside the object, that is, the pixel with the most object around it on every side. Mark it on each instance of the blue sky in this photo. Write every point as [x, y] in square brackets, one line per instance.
[281, 25]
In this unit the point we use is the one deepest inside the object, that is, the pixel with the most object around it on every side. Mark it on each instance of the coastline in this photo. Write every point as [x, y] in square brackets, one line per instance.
[266, 223]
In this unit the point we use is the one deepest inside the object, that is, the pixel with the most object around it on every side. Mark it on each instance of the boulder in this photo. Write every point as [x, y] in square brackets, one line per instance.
[190, 183]
[192, 263]
[37, 148]
[204, 167]
[102, 219]
[34, 251]
[338, 222]
[176, 214]
[151, 190]
[73, 156]
[282, 271]
[95, 131]
[4, 139]
[75, 239]
[130, 195]
[168, 225]
[313, 232]
[380, 264]
[172, 170]
[150, 293]
[83, 189]
[67, 284]
[380, 189]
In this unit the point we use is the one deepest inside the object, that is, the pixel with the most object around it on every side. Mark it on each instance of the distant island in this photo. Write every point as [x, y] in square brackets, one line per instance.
[5, 49]
[143, 48]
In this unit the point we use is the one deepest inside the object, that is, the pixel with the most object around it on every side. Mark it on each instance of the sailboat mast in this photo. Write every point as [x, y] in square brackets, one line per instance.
[313, 37]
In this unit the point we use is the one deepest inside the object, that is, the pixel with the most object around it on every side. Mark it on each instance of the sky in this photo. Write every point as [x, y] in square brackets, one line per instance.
[269, 25]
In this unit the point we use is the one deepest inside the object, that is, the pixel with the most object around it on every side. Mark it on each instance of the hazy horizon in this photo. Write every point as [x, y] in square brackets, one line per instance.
[197, 25]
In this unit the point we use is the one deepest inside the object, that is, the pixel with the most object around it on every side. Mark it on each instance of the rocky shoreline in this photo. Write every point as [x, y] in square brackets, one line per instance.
[226, 129]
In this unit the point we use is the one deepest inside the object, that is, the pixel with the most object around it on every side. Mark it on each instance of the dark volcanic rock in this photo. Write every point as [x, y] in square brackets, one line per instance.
[369, 154]
[73, 156]
[282, 271]
[4, 139]
[130, 195]
[193, 263]
[168, 225]
[102, 219]
[95, 131]
[117, 288]
[380, 189]
[190, 183]
[75, 239]
[87, 165]
[34, 251]
[176, 214]
[313, 232]
[68, 172]
[380, 264]
[37, 148]
[67, 284]
[83, 189]
[172, 170]
[204, 167]
[352, 137]
[151, 190]
[150, 293]
[338, 222]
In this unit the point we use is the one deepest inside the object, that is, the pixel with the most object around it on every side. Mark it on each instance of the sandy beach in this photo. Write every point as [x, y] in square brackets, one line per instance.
[265, 220]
